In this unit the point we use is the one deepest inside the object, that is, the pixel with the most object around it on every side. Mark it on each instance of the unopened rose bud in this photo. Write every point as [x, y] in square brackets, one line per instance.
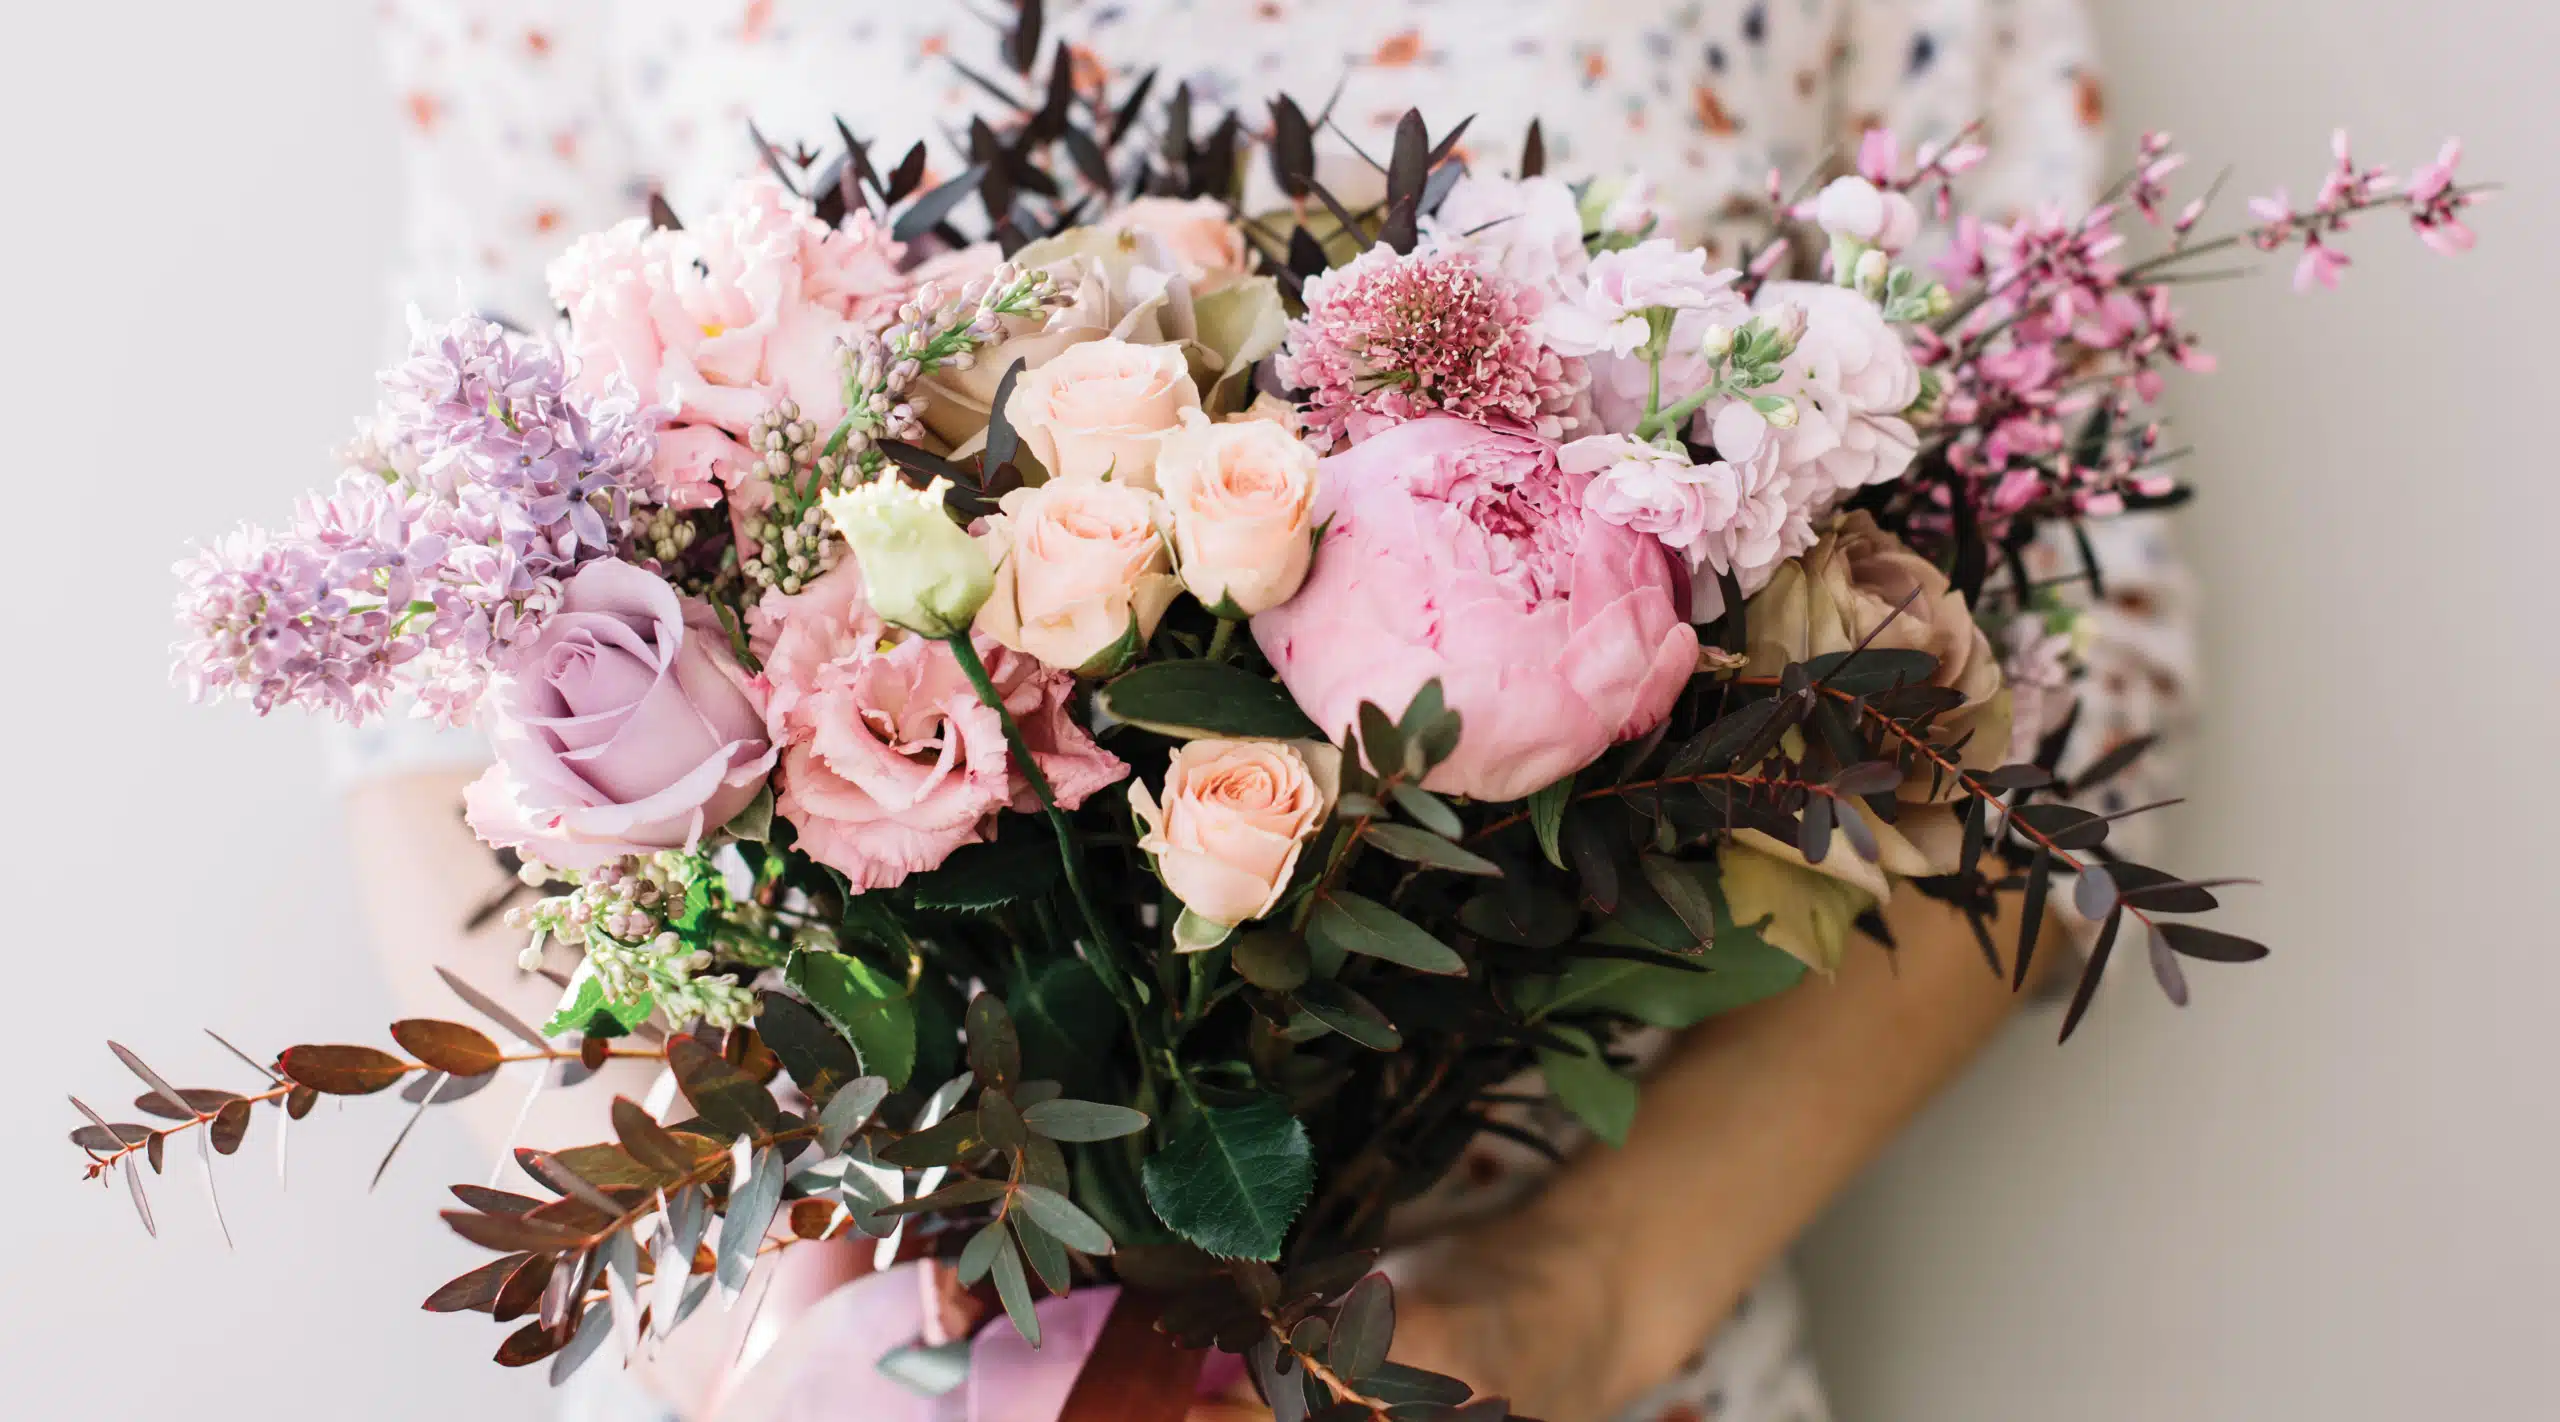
[920, 570]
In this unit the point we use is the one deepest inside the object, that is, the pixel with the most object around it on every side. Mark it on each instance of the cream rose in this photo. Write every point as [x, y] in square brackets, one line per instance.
[1082, 573]
[1241, 498]
[1198, 234]
[1829, 600]
[1233, 817]
[1101, 408]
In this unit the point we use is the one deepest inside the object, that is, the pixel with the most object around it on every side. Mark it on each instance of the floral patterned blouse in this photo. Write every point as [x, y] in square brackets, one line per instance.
[528, 122]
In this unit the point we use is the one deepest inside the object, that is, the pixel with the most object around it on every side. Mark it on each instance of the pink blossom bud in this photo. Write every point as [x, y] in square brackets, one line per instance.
[1901, 225]
[1851, 207]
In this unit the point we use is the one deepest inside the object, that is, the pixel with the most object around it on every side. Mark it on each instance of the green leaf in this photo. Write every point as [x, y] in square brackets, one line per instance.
[1350, 1014]
[979, 1254]
[1041, 1249]
[848, 1111]
[753, 824]
[1272, 959]
[868, 1006]
[1429, 811]
[1348, 923]
[1062, 1013]
[1067, 1120]
[1232, 1179]
[1430, 729]
[1598, 1096]
[995, 1048]
[1522, 914]
[819, 1061]
[1546, 816]
[589, 1013]
[1005, 870]
[1191, 699]
[1419, 846]
[1363, 1329]
[1740, 968]
[1059, 1216]
[1685, 889]
[1015, 1291]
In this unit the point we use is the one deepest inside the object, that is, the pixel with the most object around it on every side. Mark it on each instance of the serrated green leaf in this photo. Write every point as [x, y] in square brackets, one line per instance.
[1348, 923]
[1192, 699]
[1009, 869]
[589, 1013]
[1232, 1179]
[1598, 1096]
[868, 1006]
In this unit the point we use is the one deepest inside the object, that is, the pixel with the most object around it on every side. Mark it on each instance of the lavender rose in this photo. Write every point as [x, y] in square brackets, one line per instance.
[625, 727]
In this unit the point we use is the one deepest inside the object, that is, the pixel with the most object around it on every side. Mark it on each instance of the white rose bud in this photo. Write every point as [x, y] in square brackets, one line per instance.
[920, 570]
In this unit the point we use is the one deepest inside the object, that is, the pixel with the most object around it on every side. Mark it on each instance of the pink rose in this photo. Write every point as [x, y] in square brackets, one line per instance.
[1204, 242]
[1241, 499]
[1463, 553]
[889, 760]
[625, 727]
[1100, 408]
[742, 308]
[1082, 574]
[1226, 835]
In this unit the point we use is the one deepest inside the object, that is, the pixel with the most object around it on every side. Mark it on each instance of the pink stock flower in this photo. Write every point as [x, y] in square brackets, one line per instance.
[1461, 553]
[1639, 485]
[624, 727]
[1608, 316]
[889, 760]
[1388, 339]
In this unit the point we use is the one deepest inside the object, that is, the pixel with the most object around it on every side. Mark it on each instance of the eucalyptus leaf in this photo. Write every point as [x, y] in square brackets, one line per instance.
[1059, 1215]
[1349, 923]
[1066, 1120]
[1429, 850]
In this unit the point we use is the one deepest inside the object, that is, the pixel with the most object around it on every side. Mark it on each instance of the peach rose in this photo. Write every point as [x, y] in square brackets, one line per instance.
[1241, 497]
[1234, 814]
[1199, 236]
[1082, 573]
[1101, 408]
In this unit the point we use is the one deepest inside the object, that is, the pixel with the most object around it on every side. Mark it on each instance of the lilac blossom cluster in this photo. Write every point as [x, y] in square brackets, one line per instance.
[482, 481]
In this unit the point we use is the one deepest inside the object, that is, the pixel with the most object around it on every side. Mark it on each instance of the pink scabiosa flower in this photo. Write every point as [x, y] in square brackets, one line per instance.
[1464, 554]
[1393, 337]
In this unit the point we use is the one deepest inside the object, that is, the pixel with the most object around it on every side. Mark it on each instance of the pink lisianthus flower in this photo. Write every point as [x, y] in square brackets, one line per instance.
[889, 759]
[624, 727]
[1463, 554]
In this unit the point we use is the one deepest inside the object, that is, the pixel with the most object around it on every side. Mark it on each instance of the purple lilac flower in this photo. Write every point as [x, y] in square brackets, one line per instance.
[483, 480]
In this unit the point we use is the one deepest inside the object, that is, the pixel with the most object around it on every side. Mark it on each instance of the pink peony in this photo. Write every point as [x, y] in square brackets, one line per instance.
[889, 760]
[1463, 553]
[625, 727]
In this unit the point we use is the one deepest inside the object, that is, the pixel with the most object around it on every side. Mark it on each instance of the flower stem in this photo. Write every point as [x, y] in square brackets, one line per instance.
[1106, 958]
[1220, 639]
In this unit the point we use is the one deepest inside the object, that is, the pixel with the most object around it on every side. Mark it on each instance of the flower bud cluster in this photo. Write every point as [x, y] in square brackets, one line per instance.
[789, 545]
[884, 372]
[618, 915]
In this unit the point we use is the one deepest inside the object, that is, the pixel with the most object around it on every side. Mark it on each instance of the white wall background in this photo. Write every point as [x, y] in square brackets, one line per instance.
[2327, 1190]
[2324, 1192]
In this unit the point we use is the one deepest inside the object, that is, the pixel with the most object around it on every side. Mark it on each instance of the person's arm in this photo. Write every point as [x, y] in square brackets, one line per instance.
[1602, 1285]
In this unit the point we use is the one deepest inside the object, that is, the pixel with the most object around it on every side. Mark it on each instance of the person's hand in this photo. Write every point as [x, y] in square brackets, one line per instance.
[1434, 1336]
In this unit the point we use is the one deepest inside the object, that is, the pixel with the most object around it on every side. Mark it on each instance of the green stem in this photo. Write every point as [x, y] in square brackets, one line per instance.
[1219, 640]
[1106, 958]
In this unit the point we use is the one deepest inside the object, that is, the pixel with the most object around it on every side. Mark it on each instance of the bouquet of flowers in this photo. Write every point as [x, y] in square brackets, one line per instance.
[1106, 754]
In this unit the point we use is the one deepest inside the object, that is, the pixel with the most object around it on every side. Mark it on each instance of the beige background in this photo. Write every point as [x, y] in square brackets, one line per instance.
[2324, 1192]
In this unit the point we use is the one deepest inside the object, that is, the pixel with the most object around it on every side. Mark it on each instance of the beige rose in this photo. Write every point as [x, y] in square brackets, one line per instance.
[1241, 497]
[1102, 408]
[1082, 573]
[1829, 600]
[1116, 287]
[1233, 817]
[1206, 245]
